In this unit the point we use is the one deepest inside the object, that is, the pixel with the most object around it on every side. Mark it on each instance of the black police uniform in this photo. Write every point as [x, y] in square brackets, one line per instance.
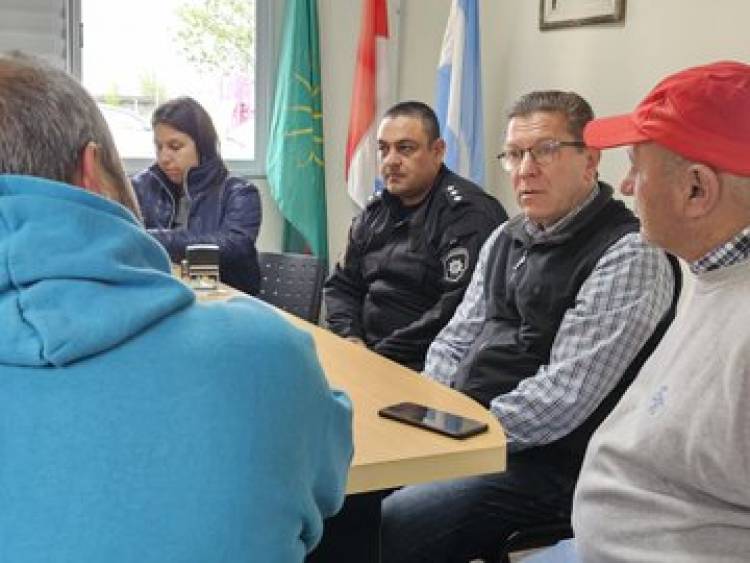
[405, 270]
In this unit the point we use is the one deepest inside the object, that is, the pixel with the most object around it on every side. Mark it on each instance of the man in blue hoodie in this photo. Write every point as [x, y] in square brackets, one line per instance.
[135, 423]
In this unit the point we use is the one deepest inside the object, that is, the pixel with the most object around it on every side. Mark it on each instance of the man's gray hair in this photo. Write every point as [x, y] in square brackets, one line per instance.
[46, 120]
[574, 108]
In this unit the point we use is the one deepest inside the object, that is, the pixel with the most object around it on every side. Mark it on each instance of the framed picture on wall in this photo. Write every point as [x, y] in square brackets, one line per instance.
[554, 14]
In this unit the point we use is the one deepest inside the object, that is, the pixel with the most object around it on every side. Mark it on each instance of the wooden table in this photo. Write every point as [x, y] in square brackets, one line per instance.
[390, 454]
[387, 453]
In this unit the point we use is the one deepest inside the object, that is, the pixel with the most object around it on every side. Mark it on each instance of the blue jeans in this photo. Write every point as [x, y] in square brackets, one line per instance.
[462, 519]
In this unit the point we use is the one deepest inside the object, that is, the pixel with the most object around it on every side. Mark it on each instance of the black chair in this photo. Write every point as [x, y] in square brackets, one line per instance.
[292, 282]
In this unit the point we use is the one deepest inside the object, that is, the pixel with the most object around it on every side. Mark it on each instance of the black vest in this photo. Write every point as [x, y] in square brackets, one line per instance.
[529, 286]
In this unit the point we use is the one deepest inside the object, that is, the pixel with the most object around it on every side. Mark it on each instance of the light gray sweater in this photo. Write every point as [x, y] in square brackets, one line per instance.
[667, 476]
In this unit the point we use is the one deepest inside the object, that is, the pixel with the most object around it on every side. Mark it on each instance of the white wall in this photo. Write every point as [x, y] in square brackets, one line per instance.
[269, 238]
[612, 66]
[339, 33]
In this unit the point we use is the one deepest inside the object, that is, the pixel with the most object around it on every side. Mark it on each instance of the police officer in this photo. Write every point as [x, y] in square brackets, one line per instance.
[412, 250]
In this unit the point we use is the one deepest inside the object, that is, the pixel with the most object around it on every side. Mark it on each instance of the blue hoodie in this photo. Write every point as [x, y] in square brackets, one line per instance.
[137, 425]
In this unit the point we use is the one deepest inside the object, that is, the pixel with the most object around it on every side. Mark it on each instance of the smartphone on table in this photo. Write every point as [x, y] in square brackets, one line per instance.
[435, 420]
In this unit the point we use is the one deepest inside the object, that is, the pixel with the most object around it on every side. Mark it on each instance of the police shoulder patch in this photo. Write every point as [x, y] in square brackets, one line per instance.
[455, 264]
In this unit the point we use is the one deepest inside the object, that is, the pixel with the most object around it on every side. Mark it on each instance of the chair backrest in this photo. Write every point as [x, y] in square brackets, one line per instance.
[292, 282]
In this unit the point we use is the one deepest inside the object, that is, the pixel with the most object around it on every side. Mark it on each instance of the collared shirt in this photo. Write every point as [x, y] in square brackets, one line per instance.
[539, 233]
[616, 310]
[734, 250]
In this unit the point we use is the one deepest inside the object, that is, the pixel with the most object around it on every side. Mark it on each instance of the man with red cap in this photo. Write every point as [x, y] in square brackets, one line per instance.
[666, 476]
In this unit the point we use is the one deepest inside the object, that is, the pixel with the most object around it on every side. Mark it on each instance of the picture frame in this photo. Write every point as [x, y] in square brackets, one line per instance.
[555, 14]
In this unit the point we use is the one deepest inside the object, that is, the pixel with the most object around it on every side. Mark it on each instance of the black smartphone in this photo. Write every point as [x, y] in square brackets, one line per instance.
[442, 422]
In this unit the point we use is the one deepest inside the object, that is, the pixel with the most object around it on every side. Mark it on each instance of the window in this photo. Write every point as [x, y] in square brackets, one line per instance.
[45, 28]
[137, 54]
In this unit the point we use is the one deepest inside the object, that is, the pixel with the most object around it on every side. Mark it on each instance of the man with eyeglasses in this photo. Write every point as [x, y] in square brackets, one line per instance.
[565, 303]
[411, 251]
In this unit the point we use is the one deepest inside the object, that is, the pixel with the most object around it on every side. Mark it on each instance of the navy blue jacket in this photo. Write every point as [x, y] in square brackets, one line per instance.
[224, 210]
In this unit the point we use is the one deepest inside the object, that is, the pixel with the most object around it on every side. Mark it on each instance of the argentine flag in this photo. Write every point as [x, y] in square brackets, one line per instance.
[459, 92]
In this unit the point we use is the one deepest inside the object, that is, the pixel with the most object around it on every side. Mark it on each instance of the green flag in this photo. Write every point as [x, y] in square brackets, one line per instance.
[294, 161]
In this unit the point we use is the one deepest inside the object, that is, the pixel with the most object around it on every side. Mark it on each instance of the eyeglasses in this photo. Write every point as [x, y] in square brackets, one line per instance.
[542, 153]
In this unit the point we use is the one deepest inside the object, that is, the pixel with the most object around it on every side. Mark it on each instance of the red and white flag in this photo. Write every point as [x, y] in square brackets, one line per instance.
[371, 98]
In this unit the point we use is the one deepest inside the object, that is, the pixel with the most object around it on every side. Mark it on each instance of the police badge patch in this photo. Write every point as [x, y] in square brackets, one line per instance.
[455, 264]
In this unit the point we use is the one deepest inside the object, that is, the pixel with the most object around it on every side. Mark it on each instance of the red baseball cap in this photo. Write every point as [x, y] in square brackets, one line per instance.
[702, 114]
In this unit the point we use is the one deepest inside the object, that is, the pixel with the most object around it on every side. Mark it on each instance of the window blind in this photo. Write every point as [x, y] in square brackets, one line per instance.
[45, 28]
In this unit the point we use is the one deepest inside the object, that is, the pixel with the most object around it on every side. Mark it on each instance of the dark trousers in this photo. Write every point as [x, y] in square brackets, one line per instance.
[462, 519]
[352, 535]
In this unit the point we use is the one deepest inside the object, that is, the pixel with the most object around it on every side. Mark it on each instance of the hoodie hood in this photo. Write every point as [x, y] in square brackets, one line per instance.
[200, 179]
[78, 274]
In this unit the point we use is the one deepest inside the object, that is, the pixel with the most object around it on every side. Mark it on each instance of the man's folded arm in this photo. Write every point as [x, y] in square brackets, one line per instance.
[453, 342]
[344, 292]
[616, 311]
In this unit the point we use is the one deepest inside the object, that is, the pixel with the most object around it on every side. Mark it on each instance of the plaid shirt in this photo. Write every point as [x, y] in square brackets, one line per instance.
[735, 250]
[616, 311]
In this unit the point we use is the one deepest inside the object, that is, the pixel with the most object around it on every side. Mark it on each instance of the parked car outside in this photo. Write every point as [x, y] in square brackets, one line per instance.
[132, 133]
